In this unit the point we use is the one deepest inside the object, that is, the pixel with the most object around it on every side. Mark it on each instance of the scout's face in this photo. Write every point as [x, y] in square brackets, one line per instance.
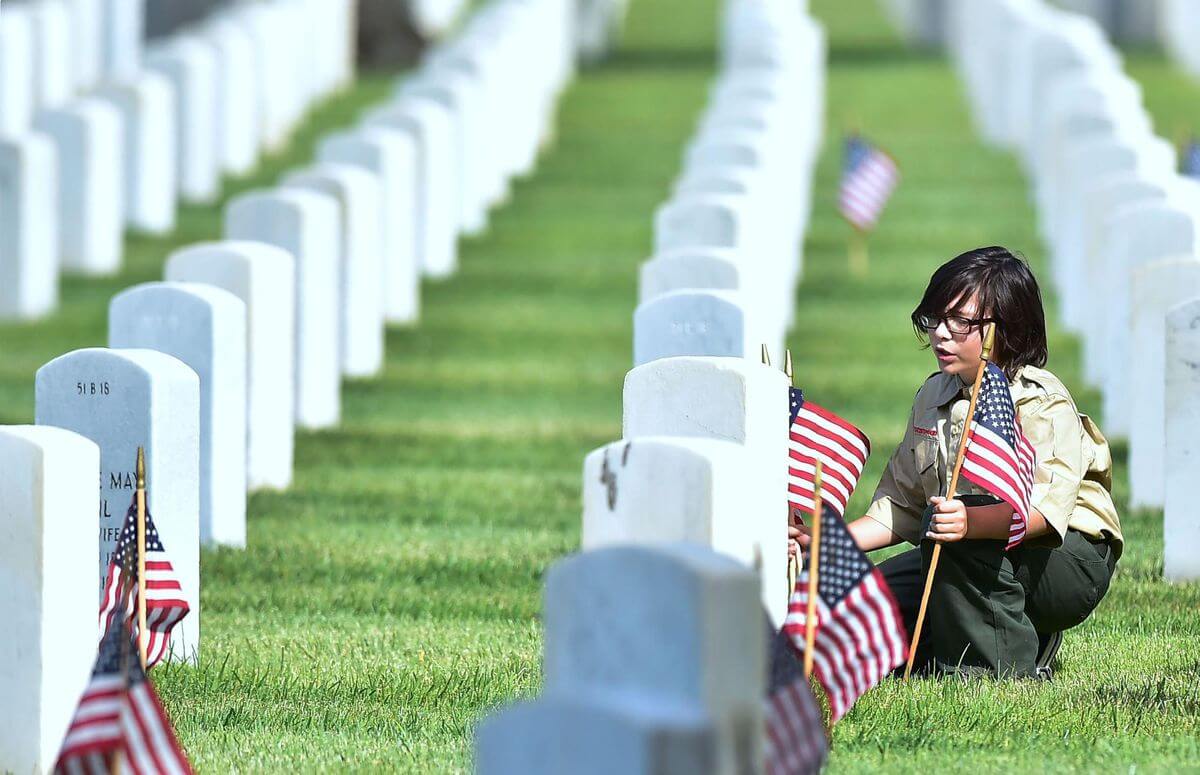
[957, 340]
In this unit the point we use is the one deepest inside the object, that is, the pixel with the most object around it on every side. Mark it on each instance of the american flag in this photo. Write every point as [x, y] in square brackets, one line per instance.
[795, 739]
[817, 433]
[165, 606]
[998, 457]
[868, 178]
[119, 712]
[859, 635]
[1189, 159]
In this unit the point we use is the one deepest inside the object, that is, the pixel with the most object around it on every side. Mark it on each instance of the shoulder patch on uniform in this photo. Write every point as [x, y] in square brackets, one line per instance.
[927, 432]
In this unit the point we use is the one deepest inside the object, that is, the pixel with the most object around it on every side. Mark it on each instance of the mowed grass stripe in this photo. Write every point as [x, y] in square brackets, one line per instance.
[1125, 694]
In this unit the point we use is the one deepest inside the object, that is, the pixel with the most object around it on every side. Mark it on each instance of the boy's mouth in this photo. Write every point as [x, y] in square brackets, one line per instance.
[943, 355]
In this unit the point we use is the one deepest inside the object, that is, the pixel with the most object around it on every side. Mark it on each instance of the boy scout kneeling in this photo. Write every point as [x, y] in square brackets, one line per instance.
[991, 610]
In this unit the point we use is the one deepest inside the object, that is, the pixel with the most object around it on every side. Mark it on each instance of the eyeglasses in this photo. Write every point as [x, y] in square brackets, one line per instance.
[956, 324]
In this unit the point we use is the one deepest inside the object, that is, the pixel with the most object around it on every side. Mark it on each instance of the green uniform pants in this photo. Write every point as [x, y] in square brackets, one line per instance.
[987, 606]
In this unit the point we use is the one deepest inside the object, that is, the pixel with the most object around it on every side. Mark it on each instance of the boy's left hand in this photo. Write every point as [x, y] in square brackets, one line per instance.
[949, 522]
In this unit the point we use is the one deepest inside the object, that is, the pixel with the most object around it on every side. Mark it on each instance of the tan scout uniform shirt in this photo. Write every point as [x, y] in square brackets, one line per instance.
[1072, 479]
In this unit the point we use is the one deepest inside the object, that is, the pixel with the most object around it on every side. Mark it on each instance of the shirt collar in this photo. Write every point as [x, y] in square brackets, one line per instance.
[947, 388]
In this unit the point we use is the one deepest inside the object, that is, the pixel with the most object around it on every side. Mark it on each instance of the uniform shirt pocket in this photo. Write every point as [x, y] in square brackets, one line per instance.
[925, 454]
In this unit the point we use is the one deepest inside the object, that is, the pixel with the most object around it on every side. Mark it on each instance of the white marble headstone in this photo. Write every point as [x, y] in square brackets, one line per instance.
[431, 127]
[86, 42]
[1142, 233]
[307, 225]
[53, 79]
[391, 155]
[17, 46]
[1181, 525]
[698, 221]
[236, 110]
[728, 399]
[191, 67]
[675, 270]
[28, 227]
[124, 24]
[1156, 288]
[694, 322]
[254, 272]
[88, 138]
[122, 399]
[457, 94]
[205, 327]
[359, 196]
[48, 497]
[656, 489]
[147, 107]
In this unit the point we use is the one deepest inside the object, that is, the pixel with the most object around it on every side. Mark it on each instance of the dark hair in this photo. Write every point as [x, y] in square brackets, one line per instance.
[1007, 291]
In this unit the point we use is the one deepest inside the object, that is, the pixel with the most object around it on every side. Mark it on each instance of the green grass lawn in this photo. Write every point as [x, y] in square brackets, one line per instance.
[392, 595]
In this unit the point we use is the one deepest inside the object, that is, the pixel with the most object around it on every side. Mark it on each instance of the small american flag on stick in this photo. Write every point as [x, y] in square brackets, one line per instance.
[165, 606]
[815, 433]
[120, 717]
[859, 635]
[998, 457]
[795, 739]
[868, 178]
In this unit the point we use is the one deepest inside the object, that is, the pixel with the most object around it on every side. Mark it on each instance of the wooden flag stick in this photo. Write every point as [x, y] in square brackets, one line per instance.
[988, 341]
[859, 260]
[810, 615]
[141, 555]
[792, 566]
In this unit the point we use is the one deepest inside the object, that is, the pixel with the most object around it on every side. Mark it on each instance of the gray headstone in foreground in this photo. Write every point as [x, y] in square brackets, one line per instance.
[121, 399]
[1181, 524]
[307, 225]
[205, 327]
[48, 499]
[88, 138]
[28, 227]
[254, 272]
[653, 665]
[359, 197]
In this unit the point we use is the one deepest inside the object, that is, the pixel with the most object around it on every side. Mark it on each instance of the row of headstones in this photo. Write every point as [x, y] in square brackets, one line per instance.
[930, 22]
[248, 338]
[91, 146]
[699, 465]
[728, 242]
[1123, 229]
